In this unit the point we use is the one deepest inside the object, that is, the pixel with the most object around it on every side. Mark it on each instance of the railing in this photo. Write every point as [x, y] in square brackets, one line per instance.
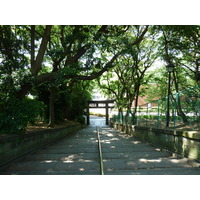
[184, 109]
[100, 151]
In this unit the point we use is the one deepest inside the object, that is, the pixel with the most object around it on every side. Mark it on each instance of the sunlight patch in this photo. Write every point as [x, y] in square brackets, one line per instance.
[47, 161]
[136, 142]
[82, 160]
[175, 161]
[68, 161]
[70, 157]
[147, 160]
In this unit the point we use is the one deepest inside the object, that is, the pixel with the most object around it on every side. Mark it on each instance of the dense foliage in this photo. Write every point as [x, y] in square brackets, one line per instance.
[54, 65]
[15, 114]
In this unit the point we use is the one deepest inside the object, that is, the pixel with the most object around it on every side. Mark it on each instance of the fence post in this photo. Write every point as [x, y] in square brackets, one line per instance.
[120, 118]
[147, 113]
[158, 118]
[138, 120]
[175, 108]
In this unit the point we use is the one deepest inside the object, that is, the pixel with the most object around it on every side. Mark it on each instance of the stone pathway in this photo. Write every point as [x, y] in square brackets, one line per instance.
[76, 154]
[122, 155]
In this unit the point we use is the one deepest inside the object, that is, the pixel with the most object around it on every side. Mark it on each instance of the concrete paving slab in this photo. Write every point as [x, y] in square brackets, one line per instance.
[122, 155]
[77, 166]
[114, 164]
[32, 166]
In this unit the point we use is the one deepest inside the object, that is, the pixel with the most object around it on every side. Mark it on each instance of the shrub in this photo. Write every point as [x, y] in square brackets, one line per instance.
[80, 119]
[15, 114]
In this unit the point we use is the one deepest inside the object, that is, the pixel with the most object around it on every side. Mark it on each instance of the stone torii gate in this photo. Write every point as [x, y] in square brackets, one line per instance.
[99, 104]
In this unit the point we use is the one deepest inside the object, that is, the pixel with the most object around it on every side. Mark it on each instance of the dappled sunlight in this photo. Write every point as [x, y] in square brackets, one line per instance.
[68, 161]
[144, 160]
[85, 160]
[125, 136]
[109, 135]
[157, 149]
[193, 152]
[121, 154]
[136, 142]
[70, 157]
[178, 160]
[114, 139]
[48, 161]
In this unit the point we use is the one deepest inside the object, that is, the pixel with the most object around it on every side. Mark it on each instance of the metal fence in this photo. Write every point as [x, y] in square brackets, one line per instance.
[184, 109]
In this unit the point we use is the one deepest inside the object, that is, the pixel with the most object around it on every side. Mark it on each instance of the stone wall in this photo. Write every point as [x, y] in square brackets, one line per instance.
[14, 146]
[186, 143]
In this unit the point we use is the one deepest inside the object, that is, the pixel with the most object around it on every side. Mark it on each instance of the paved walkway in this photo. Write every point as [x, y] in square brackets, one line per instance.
[78, 154]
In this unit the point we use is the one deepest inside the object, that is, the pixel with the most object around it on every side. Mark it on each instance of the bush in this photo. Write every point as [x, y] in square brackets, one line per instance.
[15, 114]
[80, 119]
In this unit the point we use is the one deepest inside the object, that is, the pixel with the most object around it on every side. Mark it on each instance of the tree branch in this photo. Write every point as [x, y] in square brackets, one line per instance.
[82, 50]
[38, 62]
[166, 47]
[138, 40]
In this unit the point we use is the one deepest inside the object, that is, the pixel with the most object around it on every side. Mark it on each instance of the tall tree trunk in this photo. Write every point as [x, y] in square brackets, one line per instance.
[136, 104]
[179, 108]
[120, 112]
[43, 46]
[52, 106]
[32, 45]
[36, 64]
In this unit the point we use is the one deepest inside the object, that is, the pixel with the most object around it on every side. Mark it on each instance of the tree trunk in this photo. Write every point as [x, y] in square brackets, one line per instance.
[120, 111]
[52, 107]
[179, 108]
[136, 105]
[32, 45]
[37, 65]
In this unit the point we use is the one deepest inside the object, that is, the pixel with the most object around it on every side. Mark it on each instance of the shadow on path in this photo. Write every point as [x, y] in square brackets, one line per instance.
[122, 155]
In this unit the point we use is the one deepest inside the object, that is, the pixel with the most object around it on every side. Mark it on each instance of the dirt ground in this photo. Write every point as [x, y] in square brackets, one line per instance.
[42, 126]
[189, 127]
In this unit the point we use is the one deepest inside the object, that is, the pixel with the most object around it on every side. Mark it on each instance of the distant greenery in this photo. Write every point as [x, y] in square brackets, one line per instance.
[98, 114]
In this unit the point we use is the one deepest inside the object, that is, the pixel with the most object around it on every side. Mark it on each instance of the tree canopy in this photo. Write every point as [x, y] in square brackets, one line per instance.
[56, 63]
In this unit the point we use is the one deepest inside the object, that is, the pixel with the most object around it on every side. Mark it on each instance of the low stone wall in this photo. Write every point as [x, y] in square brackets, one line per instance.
[13, 146]
[186, 143]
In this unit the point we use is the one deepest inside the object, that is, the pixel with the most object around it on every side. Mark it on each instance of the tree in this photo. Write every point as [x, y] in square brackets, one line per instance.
[128, 73]
[75, 44]
[74, 53]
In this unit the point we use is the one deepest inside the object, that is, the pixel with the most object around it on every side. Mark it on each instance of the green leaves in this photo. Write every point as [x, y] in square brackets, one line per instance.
[15, 114]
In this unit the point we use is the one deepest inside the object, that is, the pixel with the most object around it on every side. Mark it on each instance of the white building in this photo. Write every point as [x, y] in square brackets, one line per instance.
[97, 95]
